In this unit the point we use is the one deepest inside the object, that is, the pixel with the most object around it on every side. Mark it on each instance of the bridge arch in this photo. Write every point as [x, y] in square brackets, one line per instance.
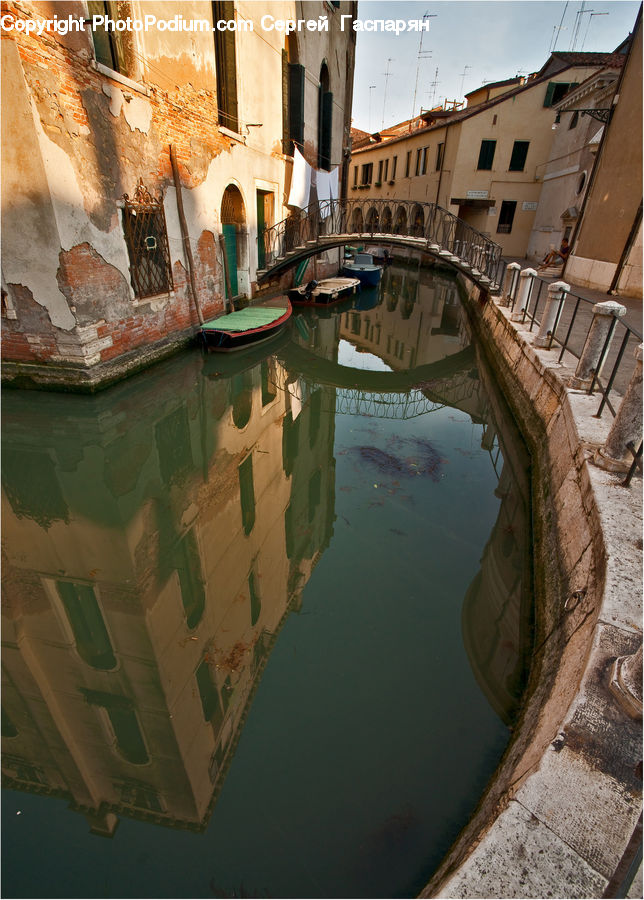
[424, 227]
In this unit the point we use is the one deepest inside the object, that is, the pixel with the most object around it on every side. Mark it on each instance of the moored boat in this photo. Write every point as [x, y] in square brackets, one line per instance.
[247, 327]
[363, 267]
[324, 292]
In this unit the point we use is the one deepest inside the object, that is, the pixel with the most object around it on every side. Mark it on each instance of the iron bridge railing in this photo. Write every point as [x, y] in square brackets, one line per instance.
[434, 228]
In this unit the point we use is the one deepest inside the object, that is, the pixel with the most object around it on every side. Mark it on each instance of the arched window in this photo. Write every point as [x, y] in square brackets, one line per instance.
[401, 221]
[325, 119]
[418, 218]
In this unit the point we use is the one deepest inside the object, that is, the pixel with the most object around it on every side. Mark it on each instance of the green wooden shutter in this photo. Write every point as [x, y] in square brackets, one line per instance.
[549, 92]
[296, 103]
[326, 120]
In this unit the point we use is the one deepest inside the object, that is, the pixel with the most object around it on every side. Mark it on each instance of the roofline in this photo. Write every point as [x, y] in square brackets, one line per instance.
[463, 114]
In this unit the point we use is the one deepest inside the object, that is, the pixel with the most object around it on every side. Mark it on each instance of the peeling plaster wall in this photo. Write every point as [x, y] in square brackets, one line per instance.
[77, 140]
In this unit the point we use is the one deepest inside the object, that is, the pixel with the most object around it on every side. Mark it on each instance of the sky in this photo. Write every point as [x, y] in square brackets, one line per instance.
[469, 42]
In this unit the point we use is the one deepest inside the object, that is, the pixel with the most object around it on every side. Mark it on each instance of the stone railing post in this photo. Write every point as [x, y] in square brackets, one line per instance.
[626, 682]
[627, 425]
[526, 277]
[510, 283]
[554, 306]
[589, 366]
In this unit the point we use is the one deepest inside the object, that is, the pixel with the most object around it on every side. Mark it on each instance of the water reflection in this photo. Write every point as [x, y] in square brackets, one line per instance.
[158, 536]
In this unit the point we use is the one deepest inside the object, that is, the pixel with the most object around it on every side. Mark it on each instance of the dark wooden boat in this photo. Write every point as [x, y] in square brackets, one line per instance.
[247, 327]
[322, 293]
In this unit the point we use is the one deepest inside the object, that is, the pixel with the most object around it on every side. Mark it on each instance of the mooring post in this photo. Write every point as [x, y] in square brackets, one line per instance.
[597, 343]
[554, 306]
[627, 425]
[510, 283]
[526, 280]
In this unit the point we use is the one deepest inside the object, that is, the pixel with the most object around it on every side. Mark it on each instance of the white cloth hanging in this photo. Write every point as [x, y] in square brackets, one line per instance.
[333, 182]
[300, 181]
[324, 192]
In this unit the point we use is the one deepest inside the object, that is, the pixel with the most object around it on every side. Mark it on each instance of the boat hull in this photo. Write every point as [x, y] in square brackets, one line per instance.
[221, 340]
[369, 275]
[327, 292]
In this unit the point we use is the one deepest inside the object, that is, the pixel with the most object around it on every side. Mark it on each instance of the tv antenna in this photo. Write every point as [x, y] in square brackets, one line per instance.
[558, 30]
[371, 88]
[384, 102]
[463, 76]
[434, 84]
[590, 17]
[422, 54]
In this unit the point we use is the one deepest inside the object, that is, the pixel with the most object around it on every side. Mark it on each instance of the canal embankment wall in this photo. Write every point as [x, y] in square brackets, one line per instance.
[560, 816]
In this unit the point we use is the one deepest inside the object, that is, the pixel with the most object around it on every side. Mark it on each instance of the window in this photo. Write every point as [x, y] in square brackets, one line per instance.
[394, 163]
[325, 119]
[486, 155]
[556, 91]
[519, 154]
[408, 164]
[146, 237]
[110, 47]
[423, 164]
[384, 177]
[226, 66]
[367, 173]
[440, 152]
[124, 722]
[506, 216]
[380, 165]
[292, 99]
[247, 494]
[418, 156]
[573, 120]
[90, 634]
[355, 176]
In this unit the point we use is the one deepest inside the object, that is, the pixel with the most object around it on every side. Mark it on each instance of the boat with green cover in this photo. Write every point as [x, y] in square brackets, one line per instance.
[247, 327]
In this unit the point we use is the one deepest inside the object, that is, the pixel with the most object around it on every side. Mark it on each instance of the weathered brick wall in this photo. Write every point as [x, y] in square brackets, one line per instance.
[109, 157]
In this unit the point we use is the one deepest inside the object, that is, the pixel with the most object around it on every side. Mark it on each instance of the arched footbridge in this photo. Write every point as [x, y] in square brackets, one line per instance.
[424, 227]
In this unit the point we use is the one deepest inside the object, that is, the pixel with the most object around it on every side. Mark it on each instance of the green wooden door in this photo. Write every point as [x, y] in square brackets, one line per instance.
[261, 225]
[230, 240]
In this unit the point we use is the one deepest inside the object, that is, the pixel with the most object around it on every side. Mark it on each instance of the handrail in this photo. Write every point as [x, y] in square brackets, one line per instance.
[355, 219]
[571, 331]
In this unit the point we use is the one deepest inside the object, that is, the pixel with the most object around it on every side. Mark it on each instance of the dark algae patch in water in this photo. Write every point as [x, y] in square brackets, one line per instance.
[267, 627]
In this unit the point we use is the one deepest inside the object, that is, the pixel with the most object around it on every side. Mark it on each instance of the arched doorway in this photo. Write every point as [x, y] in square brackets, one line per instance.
[386, 220]
[372, 220]
[233, 226]
[400, 226]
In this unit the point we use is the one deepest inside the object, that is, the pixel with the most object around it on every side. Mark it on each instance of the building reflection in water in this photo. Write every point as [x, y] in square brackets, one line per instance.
[157, 536]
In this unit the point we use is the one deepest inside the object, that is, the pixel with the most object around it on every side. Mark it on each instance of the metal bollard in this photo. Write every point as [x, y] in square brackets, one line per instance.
[627, 425]
[554, 306]
[526, 277]
[510, 283]
[598, 340]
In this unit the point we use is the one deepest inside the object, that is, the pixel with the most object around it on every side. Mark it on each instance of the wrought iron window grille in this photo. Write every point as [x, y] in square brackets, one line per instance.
[146, 237]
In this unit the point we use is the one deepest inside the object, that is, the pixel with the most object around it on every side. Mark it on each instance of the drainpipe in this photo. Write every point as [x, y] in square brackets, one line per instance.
[630, 240]
[440, 174]
[184, 231]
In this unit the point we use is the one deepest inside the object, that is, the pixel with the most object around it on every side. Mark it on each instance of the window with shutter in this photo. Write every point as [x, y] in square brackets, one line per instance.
[519, 154]
[109, 46]
[486, 155]
[226, 66]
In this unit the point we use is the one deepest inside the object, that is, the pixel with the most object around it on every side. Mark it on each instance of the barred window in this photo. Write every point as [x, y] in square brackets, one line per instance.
[146, 237]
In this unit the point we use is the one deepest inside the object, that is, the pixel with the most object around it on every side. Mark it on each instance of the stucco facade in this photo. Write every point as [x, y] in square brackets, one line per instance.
[607, 243]
[566, 175]
[484, 163]
[79, 138]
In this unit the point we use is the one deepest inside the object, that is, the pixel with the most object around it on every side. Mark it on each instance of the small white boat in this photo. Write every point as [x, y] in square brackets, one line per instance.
[324, 292]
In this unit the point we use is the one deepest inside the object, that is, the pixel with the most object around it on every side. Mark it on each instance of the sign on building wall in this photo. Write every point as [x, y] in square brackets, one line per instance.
[529, 205]
[477, 195]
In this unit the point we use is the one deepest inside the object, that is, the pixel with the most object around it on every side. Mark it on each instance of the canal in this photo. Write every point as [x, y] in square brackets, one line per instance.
[267, 618]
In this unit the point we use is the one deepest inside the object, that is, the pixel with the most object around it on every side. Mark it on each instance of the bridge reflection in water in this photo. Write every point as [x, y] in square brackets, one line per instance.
[158, 536]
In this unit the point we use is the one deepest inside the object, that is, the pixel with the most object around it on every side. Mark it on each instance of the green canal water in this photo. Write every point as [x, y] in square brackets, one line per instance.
[266, 617]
